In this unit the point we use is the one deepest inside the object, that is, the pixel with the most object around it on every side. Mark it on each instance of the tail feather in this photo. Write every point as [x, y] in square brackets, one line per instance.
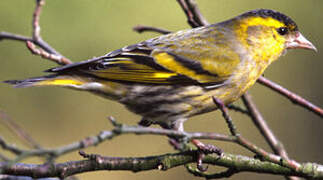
[51, 80]
[28, 82]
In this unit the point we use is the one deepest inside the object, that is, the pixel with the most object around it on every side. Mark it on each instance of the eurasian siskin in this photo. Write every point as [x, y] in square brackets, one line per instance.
[172, 77]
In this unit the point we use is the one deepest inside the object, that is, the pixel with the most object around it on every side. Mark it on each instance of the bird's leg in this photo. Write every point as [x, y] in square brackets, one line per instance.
[207, 148]
[203, 149]
[176, 142]
[179, 143]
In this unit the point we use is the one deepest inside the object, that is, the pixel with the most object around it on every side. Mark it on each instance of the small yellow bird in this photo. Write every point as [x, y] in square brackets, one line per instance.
[172, 77]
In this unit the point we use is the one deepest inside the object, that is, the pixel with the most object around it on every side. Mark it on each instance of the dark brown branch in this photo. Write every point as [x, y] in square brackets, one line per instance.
[193, 14]
[296, 99]
[238, 109]
[142, 28]
[226, 116]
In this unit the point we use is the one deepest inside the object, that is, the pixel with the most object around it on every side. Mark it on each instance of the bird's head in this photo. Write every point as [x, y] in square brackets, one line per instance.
[269, 32]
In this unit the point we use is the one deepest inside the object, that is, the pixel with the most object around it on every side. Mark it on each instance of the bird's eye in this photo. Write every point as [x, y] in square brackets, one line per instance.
[282, 30]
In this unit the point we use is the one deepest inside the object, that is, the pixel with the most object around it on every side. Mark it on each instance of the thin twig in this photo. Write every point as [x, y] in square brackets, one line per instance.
[123, 129]
[7, 35]
[36, 29]
[296, 99]
[250, 146]
[264, 129]
[106, 135]
[36, 16]
[36, 38]
[44, 54]
[17, 130]
[238, 109]
[193, 14]
[226, 116]
[10, 148]
[142, 28]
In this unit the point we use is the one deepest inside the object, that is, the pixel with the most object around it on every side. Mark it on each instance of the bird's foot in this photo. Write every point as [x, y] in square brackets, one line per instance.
[204, 149]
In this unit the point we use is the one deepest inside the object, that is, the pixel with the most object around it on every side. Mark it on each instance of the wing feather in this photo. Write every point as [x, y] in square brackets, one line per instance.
[181, 58]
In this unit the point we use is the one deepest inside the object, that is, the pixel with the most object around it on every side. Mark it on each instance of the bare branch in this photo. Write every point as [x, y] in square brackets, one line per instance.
[10, 148]
[238, 109]
[226, 116]
[36, 30]
[46, 50]
[296, 99]
[123, 129]
[106, 135]
[250, 146]
[17, 130]
[7, 35]
[142, 28]
[193, 14]
[264, 129]
[161, 162]
[44, 54]
[36, 16]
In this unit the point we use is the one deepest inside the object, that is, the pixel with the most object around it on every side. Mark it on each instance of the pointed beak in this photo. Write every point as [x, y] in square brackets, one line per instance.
[300, 42]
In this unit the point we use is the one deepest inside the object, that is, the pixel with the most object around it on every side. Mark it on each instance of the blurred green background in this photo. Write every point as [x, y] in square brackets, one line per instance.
[82, 29]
